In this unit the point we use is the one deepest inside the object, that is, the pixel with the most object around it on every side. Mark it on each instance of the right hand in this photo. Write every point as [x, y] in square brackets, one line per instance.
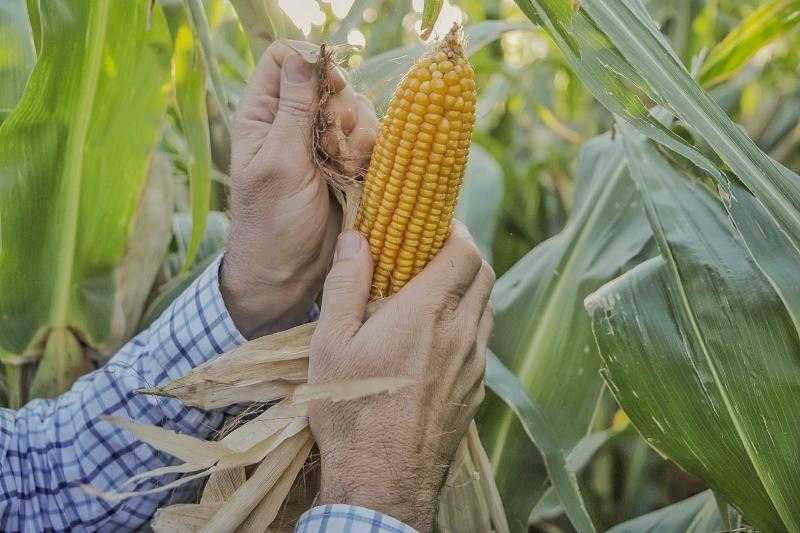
[284, 225]
[391, 452]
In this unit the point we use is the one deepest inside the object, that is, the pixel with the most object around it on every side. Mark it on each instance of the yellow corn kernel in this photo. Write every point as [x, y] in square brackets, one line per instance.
[417, 165]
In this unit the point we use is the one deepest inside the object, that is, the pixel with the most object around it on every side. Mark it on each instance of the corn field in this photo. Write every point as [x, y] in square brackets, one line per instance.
[632, 179]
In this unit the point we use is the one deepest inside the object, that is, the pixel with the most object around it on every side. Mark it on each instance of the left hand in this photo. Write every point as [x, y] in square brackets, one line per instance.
[391, 452]
[284, 222]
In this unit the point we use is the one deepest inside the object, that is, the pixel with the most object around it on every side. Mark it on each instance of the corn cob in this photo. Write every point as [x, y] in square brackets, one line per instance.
[418, 164]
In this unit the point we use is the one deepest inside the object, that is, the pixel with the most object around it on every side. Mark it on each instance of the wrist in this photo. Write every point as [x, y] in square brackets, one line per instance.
[409, 499]
[260, 308]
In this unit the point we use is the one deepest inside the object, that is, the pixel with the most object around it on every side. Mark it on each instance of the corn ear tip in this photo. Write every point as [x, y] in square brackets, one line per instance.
[453, 43]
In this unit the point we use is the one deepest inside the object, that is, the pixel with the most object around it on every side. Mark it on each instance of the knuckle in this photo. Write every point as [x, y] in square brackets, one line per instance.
[450, 299]
[474, 253]
[294, 108]
[446, 306]
[339, 283]
[470, 255]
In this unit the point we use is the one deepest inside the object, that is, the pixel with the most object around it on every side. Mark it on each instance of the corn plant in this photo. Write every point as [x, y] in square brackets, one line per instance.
[73, 177]
[751, 202]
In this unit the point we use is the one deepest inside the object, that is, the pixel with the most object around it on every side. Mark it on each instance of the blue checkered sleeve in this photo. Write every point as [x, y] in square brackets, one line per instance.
[50, 447]
[340, 518]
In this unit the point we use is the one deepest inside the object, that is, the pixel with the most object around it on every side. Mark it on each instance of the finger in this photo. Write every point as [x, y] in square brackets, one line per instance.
[476, 399]
[260, 99]
[473, 365]
[357, 128]
[361, 138]
[342, 112]
[477, 296]
[298, 93]
[454, 268]
[344, 299]
[485, 327]
[476, 364]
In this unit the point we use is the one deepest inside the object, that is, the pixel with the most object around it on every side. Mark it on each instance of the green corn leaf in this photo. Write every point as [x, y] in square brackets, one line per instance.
[197, 14]
[698, 514]
[773, 208]
[378, 76]
[776, 189]
[35, 23]
[190, 91]
[688, 337]
[481, 198]
[430, 14]
[549, 506]
[607, 74]
[149, 240]
[210, 248]
[17, 53]
[542, 333]
[73, 162]
[608, 42]
[265, 22]
[767, 23]
[538, 430]
[350, 21]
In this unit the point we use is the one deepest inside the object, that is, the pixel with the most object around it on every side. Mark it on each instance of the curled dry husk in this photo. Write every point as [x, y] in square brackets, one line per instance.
[261, 475]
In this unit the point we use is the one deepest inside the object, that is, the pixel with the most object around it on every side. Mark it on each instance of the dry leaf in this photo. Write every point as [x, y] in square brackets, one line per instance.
[463, 506]
[264, 369]
[119, 496]
[248, 496]
[208, 457]
[183, 468]
[270, 421]
[267, 509]
[497, 511]
[184, 447]
[264, 448]
[348, 390]
[183, 517]
[221, 485]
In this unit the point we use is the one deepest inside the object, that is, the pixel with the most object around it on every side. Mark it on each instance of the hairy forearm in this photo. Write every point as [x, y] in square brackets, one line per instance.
[382, 485]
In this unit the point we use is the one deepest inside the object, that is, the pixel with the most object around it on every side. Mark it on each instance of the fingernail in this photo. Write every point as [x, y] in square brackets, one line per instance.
[297, 70]
[348, 245]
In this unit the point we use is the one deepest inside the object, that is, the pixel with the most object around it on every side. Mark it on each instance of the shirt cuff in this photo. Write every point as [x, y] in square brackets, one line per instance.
[342, 518]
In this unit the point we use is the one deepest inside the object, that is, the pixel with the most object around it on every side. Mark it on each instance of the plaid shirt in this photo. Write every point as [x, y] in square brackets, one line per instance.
[50, 447]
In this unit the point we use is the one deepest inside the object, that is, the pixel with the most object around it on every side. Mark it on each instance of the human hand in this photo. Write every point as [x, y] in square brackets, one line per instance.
[391, 452]
[284, 225]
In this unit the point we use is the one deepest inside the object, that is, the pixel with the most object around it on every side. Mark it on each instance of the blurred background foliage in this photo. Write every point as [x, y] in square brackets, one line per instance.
[534, 117]
[534, 112]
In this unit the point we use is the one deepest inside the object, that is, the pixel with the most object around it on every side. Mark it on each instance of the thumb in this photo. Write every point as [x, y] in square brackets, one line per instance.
[344, 299]
[297, 94]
